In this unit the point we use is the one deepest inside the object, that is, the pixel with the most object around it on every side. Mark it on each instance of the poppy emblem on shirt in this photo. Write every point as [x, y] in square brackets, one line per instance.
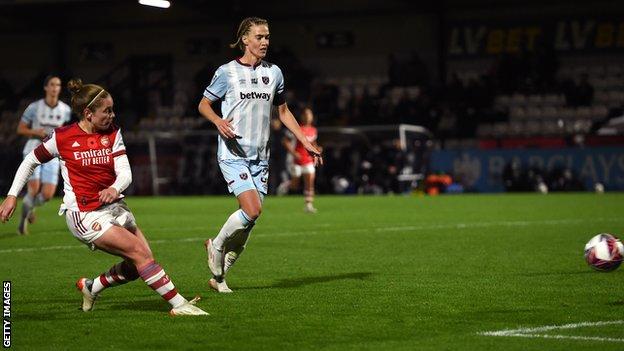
[92, 143]
[96, 227]
[265, 80]
[105, 141]
[243, 176]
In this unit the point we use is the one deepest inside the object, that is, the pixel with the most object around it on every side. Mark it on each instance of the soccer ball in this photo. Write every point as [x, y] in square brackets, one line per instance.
[604, 252]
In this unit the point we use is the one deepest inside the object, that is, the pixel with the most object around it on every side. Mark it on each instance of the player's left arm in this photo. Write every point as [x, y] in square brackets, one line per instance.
[123, 173]
[317, 146]
[290, 122]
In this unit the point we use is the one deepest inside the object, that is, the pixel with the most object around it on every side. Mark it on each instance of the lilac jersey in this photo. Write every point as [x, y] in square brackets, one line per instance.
[248, 94]
[39, 115]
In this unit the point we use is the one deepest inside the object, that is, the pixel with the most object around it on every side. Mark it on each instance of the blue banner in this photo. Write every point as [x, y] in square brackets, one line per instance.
[482, 170]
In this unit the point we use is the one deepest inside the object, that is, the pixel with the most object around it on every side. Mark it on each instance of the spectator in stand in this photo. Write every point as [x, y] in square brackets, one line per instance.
[7, 95]
[584, 91]
[578, 94]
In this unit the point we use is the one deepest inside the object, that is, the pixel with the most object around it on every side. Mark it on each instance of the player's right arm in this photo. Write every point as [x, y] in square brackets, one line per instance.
[223, 125]
[42, 154]
[213, 92]
[23, 128]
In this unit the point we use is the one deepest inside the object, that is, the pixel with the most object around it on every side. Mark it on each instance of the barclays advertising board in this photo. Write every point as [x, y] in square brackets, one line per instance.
[482, 170]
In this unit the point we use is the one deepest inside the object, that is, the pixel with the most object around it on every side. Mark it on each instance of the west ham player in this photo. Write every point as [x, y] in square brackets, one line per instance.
[38, 121]
[95, 171]
[302, 164]
[249, 88]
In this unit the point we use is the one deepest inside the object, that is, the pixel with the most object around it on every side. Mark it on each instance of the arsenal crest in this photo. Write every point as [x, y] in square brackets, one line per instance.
[265, 80]
[96, 226]
[105, 141]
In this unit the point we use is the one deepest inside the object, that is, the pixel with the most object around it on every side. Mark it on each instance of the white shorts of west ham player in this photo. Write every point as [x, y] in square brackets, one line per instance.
[89, 226]
[47, 173]
[297, 170]
[242, 175]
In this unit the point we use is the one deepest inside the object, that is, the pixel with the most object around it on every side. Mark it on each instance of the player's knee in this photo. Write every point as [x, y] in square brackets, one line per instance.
[47, 196]
[140, 254]
[254, 212]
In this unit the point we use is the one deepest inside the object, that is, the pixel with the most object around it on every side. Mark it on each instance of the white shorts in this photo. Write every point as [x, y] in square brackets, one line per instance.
[48, 172]
[297, 170]
[89, 226]
[243, 175]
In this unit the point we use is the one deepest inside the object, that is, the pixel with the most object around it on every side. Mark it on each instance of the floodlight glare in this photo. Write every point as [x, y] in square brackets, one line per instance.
[156, 3]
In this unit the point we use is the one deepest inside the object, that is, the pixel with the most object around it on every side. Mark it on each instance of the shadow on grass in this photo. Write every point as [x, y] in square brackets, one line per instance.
[50, 301]
[540, 274]
[151, 304]
[9, 234]
[70, 309]
[298, 282]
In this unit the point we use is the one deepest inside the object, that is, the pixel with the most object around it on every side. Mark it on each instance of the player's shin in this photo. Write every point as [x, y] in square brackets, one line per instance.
[27, 211]
[154, 276]
[121, 273]
[235, 247]
[236, 223]
[308, 196]
[39, 200]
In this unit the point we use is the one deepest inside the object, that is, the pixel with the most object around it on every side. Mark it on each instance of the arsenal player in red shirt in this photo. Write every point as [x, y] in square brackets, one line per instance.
[95, 171]
[302, 165]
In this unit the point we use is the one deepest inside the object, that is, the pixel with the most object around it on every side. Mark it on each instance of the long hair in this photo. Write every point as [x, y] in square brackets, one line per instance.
[243, 29]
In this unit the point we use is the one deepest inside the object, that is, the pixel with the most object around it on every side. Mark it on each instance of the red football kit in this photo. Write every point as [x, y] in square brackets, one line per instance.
[87, 163]
[304, 156]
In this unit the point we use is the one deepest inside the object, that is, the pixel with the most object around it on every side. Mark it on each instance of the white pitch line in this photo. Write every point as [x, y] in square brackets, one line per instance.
[571, 337]
[43, 248]
[531, 332]
[409, 228]
[551, 327]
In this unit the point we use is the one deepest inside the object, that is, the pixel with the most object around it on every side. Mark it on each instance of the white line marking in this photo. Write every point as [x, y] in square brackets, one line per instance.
[571, 337]
[551, 327]
[408, 228]
[44, 248]
[531, 332]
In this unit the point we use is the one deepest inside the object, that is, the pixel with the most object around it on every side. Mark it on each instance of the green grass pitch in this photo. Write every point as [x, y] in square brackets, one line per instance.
[364, 273]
